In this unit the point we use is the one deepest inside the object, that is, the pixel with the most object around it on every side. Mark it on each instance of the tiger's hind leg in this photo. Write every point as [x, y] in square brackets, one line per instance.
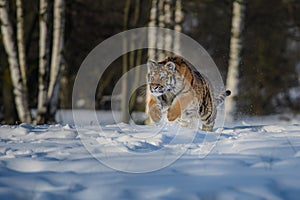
[207, 115]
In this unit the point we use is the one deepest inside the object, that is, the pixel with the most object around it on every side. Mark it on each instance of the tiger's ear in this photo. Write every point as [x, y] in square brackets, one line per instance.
[151, 64]
[170, 65]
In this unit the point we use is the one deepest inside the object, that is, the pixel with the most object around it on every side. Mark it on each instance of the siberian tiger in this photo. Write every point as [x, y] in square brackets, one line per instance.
[177, 88]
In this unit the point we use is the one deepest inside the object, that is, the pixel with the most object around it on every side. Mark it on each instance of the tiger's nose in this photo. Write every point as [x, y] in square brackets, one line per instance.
[155, 87]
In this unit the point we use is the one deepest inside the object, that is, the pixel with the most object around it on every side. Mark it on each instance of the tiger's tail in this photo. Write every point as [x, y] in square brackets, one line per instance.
[221, 98]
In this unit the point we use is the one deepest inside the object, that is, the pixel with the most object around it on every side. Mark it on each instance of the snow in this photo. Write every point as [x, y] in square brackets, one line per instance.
[254, 158]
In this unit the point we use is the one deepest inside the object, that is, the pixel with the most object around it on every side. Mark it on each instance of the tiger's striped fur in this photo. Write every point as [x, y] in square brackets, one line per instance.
[177, 88]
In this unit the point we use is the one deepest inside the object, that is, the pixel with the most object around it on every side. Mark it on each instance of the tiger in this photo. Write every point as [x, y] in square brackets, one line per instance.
[177, 88]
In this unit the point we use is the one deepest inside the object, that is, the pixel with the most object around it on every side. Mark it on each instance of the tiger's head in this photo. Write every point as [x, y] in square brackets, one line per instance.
[160, 77]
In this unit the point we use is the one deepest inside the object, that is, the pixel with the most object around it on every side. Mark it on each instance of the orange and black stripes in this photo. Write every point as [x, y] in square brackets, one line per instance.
[188, 84]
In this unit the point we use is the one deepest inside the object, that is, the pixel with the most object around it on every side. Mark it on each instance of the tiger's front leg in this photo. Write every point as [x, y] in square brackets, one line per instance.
[179, 105]
[154, 109]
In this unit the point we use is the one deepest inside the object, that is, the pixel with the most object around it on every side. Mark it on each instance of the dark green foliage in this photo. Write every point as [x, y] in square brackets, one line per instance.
[268, 66]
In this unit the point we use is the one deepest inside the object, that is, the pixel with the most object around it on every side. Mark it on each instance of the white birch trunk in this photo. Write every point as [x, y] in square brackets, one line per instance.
[161, 17]
[152, 40]
[43, 62]
[160, 37]
[168, 39]
[234, 57]
[20, 40]
[177, 27]
[55, 73]
[124, 105]
[152, 34]
[10, 48]
[135, 57]
[54, 101]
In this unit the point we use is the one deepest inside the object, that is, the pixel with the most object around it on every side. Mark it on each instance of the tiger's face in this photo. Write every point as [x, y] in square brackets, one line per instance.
[160, 77]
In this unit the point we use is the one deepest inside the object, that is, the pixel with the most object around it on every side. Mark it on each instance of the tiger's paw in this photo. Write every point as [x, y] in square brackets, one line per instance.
[155, 113]
[207, 128]
[173, 114]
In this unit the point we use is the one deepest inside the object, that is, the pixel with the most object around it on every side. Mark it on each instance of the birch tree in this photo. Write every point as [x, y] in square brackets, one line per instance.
[131, 59]
[178, 27]
[124, 106]
[20, 42]
[135, 57]
[14, 65]
[43, 62]
[168, 22]
[152, 34]
[49, 91]
[56, 58]
[232, 81]
[160, 37]
[164, 14]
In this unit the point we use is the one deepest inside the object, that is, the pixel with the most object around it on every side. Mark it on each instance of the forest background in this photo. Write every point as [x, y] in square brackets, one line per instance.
[269, 65]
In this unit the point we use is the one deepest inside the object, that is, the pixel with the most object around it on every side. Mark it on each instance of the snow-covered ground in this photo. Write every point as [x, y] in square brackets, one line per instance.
[256, 158]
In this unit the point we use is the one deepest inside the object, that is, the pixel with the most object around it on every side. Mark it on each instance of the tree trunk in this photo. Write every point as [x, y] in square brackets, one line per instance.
[152, 41]
[168, 38]
[124, 105]
[160, 37]
[65, 94]
[135, 57]
[1, 94]
[234, 57]
[54, 101]
[43, 62]
[20, 40]
[152, 38]
[164, 14]
[10, 115]
[56, 58]
[10, 48]
[177, 27]
[136, 81]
